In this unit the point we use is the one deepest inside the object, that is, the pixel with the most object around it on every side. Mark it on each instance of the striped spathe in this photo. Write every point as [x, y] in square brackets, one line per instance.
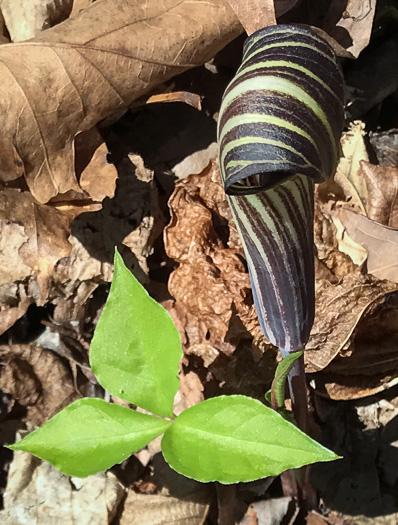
[279, 128]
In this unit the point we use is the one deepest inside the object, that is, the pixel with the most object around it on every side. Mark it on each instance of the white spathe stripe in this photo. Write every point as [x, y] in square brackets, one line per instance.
[280, 85]
[288, 65]
[260, 118]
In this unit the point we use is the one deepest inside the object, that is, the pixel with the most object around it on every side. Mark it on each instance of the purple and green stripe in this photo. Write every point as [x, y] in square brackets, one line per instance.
[279, 128]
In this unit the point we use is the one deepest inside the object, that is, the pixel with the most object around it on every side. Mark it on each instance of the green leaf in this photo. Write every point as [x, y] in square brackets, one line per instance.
[235, 438]
[136, 349]
[281, 372]
[91, 435]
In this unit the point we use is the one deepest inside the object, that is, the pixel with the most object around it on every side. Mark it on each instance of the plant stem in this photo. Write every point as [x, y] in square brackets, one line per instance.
[298, 394]
[299, 399]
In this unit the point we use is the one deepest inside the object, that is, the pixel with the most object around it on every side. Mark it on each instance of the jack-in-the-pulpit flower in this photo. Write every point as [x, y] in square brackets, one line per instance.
[279, 128]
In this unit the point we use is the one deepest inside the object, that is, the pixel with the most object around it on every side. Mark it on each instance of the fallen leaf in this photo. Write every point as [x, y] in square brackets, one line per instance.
[211, 280]
[37, 379]
[385, 144]
[339, 309]
[273, 511]
[254, 14]
[34, 238]
[370, 364]
[38, 493]
[340, 262]
[382, 186]
[380, 242]
[347, 245]
[11, 165]
[131, 220]
[95, 65]
[79, 5]
[13, 305]
[189, 394]
[348, 174]
[97, 175]
[192, 99]
[353, 26]
[25, 19]
[155, 509]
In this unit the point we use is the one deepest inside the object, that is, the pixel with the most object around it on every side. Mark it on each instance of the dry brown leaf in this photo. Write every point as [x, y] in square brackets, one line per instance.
[25, 19]
[380, 242]
[370, 365]
[11, 165]
[79, 5]
[190, 392]
[329, 252]
[34, 238]
[347, 245]
[191, 99]
[385, 145]
[354, 25]
[155, 509]
[254, 14]
[211, 280]
[12, 305]
[131, 220]
[339, 309]
[94, 65]
[348, 174]
[97, 175]
[37, 379]
[382, 186]
[38, 493]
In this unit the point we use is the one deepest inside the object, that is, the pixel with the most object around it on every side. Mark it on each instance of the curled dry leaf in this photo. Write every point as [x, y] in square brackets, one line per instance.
[156, 509]
[371, 363]
[339, 309]
[38, 493]
[338, 259]
[385, 144]
[382, 186]
[254, 14]
[33, 238]
[348, 174]
[354, 25]
[97, 176]
[37, 379]
[131, 219]
[94, 65]
[380, 242]
[211, 284]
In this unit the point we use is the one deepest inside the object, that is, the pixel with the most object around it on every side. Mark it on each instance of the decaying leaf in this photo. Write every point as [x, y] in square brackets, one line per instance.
[26, 19]
[354, 27]
[37, 379]
[380, 242]
[382, 188]
[254, 14]
[339, 309]
[156, 509]
[38, 493]
[94, 65]
[348, 174]
[370, 364]
[339, 259]
[97, 176]
[131, 219]
[34, 238]
[385, 144]
[211, 282]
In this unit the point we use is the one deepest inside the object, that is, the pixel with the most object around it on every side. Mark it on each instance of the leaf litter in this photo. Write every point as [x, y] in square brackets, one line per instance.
[64, 207]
